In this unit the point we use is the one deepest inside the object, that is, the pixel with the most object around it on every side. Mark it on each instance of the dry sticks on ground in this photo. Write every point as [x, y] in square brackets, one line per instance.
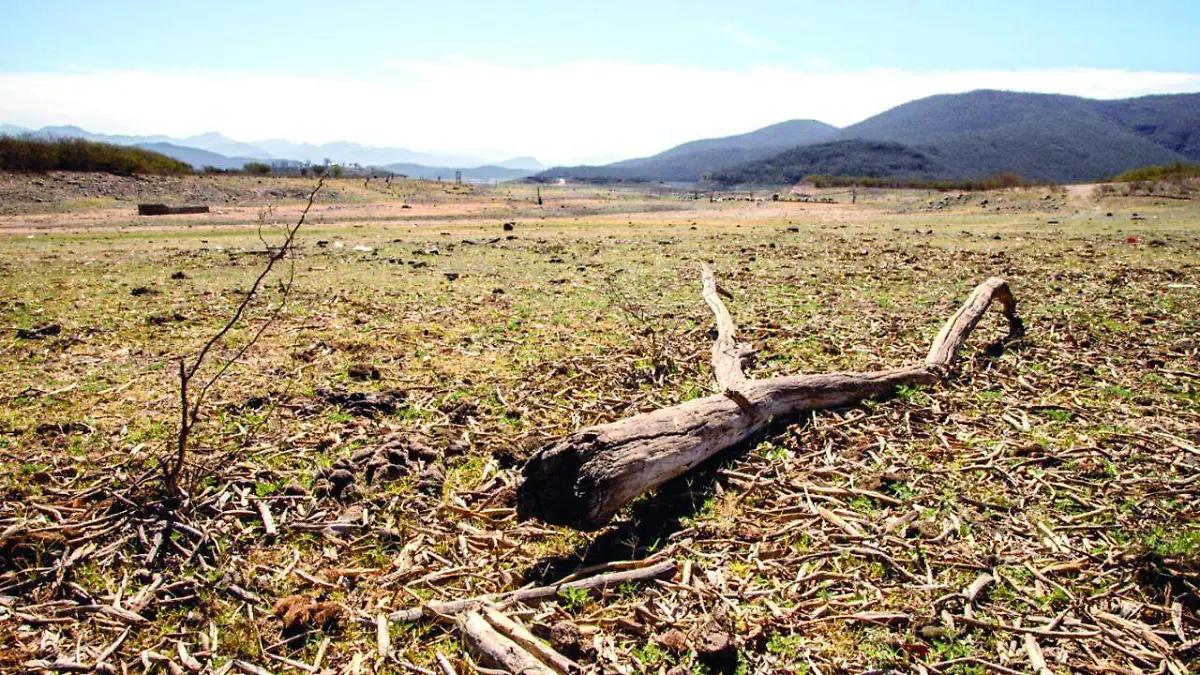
[585, 479]
[504, 642]
[595, 584]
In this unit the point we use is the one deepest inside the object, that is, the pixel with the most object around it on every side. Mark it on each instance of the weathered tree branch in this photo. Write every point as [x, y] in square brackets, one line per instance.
[522, 637]
[950, 339]
[496, 649]
[726, 356]
[587, 477]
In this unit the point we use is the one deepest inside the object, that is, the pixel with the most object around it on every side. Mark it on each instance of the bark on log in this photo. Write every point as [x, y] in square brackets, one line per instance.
[587, 477]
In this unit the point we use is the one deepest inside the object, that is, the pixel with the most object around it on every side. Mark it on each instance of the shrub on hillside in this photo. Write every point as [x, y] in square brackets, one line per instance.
[997, 182]
[38, 155]
[256, 168]
[1155, 173]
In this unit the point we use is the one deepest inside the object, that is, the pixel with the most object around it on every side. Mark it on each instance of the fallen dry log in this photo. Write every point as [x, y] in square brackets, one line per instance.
[587, 477]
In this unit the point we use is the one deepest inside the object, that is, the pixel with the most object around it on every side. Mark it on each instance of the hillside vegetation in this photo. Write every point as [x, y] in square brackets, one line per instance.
[1176, 170]
[689, 162]
[1042, 136]
[75, 154]
[870, 159]
[962, 136]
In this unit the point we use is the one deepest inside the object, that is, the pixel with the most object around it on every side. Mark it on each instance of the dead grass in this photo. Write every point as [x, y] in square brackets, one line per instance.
[1064, 469]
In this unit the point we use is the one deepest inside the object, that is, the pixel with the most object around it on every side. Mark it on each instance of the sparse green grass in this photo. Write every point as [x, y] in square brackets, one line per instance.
[507, 372]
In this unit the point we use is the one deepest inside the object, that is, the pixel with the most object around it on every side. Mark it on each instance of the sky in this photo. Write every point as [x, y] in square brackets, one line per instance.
[566, 82]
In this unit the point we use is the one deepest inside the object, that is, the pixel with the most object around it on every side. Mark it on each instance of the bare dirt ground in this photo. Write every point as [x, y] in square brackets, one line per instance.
[1037, 513]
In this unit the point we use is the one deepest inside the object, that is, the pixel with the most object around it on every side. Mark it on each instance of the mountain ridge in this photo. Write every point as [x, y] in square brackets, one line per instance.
[342, 152]
[213, 149]
[970, 135]
[689, 161]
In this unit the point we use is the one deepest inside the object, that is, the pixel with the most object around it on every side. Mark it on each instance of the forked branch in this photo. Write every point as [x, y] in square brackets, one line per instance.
[587, 477]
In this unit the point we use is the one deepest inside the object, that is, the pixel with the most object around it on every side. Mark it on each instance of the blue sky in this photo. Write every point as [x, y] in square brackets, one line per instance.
[565, 81]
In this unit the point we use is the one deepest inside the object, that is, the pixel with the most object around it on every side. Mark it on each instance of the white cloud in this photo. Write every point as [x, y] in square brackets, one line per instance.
[557, 112]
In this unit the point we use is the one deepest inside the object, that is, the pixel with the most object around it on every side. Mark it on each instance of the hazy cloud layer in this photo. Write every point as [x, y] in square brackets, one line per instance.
[733, 33]
[560, 113]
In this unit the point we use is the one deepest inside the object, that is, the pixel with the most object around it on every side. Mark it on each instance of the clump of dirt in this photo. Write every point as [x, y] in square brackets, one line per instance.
[362, 371]
[299, 613]
[44, 331]
[399, 455]
[367, 404]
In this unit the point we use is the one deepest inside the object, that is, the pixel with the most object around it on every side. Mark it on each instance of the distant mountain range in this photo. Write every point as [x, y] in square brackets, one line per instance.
[971, 135]
[692, 160]
[950, 136]
[219, 151]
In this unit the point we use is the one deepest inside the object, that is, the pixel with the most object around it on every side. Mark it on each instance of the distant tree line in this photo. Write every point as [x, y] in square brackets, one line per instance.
[264, 169]
[38, 155]
[996, 182]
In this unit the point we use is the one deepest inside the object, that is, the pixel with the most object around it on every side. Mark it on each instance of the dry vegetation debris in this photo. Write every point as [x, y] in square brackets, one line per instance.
[1036, 513]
